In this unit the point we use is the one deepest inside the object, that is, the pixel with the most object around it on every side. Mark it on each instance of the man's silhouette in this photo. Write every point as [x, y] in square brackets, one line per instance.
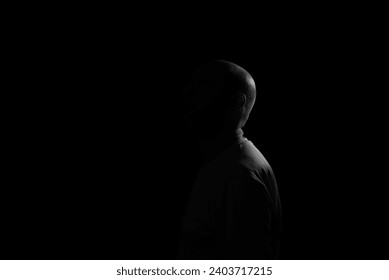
[234, 210]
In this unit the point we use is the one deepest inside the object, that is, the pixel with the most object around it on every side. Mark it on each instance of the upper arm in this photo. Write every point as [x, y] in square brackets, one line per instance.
[245, 217]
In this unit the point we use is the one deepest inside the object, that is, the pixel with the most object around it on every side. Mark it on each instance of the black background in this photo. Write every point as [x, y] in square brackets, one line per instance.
[99, 167]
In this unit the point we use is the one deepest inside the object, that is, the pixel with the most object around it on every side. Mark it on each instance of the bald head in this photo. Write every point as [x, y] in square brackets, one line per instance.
[221, 95]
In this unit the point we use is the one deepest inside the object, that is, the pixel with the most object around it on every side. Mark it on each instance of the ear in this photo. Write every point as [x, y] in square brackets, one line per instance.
[240, 102]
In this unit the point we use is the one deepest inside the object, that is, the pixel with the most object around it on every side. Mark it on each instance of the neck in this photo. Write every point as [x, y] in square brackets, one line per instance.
[212, 146]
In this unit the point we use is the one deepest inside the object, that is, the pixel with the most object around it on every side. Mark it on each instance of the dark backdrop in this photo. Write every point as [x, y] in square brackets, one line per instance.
[100, 169]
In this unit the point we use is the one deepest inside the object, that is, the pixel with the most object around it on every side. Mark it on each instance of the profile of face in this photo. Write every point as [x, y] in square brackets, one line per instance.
[219, 96]
[203, 110]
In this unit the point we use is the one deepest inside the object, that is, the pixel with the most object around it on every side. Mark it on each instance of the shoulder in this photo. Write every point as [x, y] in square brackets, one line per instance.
[243, 185]
[247, 171]
[242, 176]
